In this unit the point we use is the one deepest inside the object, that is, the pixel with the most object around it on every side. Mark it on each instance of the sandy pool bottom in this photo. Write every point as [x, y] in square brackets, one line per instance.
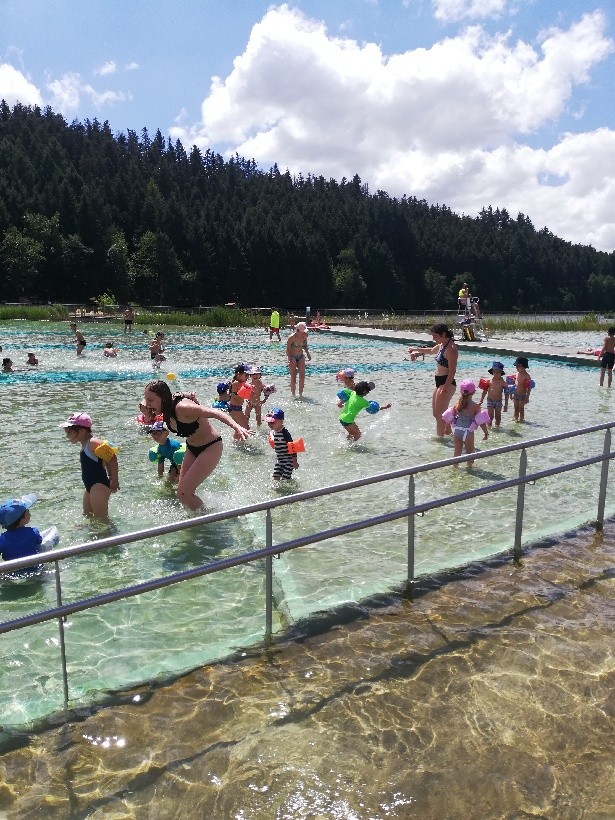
[490, 695]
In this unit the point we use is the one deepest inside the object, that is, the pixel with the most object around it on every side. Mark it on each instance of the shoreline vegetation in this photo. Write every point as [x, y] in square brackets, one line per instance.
[224, 316]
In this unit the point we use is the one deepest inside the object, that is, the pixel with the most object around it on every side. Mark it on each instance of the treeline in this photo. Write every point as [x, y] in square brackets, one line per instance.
[84, 211]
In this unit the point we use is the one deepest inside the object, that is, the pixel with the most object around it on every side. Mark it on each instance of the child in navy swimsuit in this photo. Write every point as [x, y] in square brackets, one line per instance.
[99, 466]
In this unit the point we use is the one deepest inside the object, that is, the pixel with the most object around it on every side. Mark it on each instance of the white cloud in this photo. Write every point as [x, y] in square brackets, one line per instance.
[68, 90]
[65, 93]
[131, 66]
[110, 67]
[16, 88]
[453, 10]
[445, 123]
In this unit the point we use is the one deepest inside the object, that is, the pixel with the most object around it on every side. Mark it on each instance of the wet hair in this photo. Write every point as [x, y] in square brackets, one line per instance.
[442, 329]
[163, 391]
[463, 402]
[363, 388]
[611, 331]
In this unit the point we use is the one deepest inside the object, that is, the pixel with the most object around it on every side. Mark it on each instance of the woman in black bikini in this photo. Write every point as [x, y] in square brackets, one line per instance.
[446, 366]
[184, 416]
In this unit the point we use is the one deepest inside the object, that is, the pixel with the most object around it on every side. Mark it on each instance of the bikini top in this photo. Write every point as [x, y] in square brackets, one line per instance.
[182, 428]
[440, 357]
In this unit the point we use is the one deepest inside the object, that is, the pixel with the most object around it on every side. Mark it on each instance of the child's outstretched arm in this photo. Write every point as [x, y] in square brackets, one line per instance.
[385, 406]
[482, 398]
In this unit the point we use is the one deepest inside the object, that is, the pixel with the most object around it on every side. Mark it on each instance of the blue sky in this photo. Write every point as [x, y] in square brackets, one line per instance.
[468, 103]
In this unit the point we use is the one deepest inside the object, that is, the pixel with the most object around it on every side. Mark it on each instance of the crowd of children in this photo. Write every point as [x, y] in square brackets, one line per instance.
[238, 400]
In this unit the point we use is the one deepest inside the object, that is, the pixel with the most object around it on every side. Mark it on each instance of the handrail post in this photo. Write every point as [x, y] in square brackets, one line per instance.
[604, 476]
[411, 503]
[520, 506]
[268, 579]
[61, 631]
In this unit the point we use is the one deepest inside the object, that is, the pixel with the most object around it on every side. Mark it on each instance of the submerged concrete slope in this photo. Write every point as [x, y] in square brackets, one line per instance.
[492, 694]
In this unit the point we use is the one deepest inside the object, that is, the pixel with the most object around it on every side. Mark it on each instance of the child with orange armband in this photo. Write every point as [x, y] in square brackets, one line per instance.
[282, 442]
[523, 388]
[495, 390]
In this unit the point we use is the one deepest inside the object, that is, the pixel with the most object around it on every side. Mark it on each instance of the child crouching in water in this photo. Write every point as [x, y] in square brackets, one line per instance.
[354, 402]
[466, 417]
[166, 448]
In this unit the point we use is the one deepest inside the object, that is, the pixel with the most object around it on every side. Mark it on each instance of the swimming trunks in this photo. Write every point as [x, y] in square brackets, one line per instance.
[197, 450]
[607, 360]
[92, 470]
[520, 396]
[235, 408]
[495, 403]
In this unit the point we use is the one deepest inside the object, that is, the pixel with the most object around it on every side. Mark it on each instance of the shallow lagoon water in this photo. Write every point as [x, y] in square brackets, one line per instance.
[178, 628]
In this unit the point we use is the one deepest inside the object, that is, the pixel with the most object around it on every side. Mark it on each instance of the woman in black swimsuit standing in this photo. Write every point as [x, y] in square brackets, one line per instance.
[186, 417]
[446, 366]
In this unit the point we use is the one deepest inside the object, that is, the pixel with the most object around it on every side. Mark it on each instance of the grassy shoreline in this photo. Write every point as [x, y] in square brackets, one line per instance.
[236, 317]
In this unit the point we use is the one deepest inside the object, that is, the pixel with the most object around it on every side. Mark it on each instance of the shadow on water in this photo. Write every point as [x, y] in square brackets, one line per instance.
[201, 545]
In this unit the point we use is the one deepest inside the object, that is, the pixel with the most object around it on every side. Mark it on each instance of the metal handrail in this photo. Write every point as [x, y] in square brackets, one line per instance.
[62, 610]
[198, 521]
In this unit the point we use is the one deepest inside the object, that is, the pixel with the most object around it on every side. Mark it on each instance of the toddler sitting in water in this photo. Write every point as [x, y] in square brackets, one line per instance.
[19, 540]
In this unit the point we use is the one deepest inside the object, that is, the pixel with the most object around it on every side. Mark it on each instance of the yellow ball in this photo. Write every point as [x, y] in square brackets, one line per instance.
[171, 377]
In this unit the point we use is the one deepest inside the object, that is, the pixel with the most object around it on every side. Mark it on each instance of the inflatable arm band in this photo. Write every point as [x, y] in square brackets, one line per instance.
[484, 384]
[178, 455]
[154, 455]
[343, 395]
[296, 446]
[449, 415]
[372, 408]
[107, 450]
[482, 417]
[245, 391]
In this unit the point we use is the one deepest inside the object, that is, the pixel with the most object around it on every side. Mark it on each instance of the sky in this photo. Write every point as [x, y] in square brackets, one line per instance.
[462, 103]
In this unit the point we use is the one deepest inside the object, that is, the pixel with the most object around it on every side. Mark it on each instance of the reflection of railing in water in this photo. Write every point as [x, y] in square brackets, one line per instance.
[61, 611]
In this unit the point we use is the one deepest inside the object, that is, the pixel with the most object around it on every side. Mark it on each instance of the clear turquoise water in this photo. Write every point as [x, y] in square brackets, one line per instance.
[186, 625]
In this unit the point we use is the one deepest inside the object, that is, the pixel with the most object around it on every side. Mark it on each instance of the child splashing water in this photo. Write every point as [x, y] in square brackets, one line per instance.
[466, 417]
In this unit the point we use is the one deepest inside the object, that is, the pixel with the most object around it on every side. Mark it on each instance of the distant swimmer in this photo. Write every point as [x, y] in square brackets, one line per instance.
[79, 339]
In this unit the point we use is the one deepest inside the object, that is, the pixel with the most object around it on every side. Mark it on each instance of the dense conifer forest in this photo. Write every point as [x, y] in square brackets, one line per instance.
[84, 211]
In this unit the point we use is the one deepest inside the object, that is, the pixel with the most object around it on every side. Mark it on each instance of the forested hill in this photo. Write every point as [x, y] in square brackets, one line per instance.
[84, 211]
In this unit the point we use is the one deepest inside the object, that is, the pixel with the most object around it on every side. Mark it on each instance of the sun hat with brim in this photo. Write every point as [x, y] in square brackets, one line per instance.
[158, 427]
[77, 420]
[12, 510]
[467, 386]
[496, 366]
